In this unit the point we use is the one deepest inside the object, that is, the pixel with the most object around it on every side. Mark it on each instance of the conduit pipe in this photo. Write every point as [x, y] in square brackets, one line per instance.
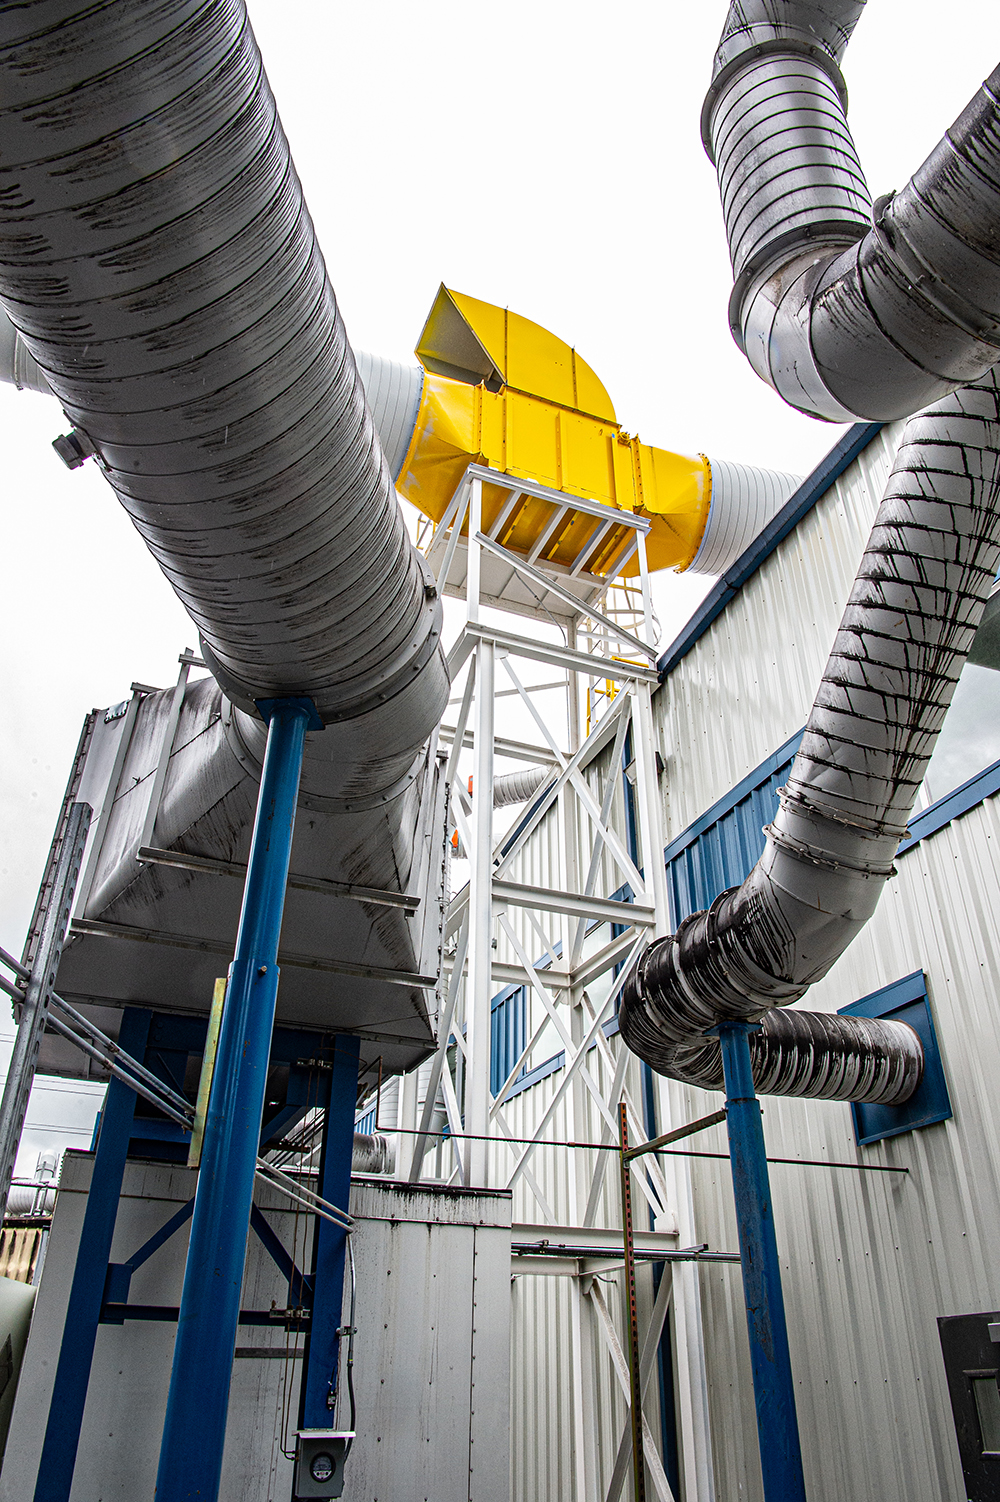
[913, 612]
[159, 263]
[846, 309]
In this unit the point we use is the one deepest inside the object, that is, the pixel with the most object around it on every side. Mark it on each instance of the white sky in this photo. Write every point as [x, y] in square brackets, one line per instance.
[538, 154]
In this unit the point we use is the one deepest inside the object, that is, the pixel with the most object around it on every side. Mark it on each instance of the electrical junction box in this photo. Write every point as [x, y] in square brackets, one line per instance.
[319, 1462]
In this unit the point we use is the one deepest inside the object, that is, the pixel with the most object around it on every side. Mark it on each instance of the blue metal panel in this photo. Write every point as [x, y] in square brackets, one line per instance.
[773, 1387]
[508, 1033]
[904, 1001]
[194, 1430]
[330, 1246]
[952, 806]
[721, 848]
[83, 1311]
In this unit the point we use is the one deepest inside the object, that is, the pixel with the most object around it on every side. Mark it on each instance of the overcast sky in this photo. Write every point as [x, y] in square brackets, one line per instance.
[538, 154]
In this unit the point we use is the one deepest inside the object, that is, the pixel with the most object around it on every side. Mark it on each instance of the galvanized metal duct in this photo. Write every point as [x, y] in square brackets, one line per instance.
[518, 787]
[392, 390]
[743, 501]
[913, 612]
[817, 1055]
[158, 260]
[844, 317]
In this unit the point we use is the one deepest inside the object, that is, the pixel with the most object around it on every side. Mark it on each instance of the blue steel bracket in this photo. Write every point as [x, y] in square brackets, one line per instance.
[266, 708]
[300, 1284]
[905, 1000]
[118, 1279]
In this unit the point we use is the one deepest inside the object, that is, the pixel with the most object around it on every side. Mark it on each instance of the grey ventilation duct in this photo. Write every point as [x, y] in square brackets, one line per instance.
[743, 501]
[518, 787]
[871, 1060]
[920, 593]
[874, 330]
[843, 316]
[159, 263]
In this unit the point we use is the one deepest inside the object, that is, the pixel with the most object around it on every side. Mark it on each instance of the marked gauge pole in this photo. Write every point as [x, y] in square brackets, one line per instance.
[635, 1378]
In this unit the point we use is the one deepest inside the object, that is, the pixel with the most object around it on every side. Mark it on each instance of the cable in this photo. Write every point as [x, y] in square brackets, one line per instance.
[350, 1331]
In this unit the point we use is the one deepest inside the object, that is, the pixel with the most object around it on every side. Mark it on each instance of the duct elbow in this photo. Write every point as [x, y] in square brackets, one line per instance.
[847, 310]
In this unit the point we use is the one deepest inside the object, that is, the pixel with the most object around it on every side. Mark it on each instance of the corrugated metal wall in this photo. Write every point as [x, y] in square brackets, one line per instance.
[869, 1260]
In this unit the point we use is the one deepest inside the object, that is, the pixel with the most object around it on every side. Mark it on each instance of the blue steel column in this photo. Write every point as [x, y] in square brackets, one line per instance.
[319, 1365]
[774, 1393]
[86, 1295]
[194, 1430]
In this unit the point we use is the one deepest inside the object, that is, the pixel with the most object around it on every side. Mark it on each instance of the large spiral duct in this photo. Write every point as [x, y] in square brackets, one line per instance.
[913, 611]
[871, 331]
[843, 316]
[819, 1056]
[158, 259]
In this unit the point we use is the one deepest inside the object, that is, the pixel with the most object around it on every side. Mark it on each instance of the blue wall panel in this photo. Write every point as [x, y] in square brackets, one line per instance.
[720, 849]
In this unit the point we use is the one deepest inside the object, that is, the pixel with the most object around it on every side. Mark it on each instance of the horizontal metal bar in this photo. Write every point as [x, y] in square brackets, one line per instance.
[149, 855]
[513, 975]
[88, 927]
[604, 1238]
[558, 497]
[18, 969]
[605, 909]
[581, 607]
[701, 1125]
[561, 657]
[115, 1052]
[114, 1314]
[514, 750]
[581, 1253]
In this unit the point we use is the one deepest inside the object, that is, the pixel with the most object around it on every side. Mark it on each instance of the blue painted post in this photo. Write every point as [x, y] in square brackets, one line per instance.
[330, 1249]
[194, 1430]
[774, 1393]
[86, 1295]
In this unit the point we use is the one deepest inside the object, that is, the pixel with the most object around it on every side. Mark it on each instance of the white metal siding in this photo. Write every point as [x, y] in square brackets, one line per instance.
[869, 1261]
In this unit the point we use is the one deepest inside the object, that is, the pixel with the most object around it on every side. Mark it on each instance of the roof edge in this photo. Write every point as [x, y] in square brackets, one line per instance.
[798, 505]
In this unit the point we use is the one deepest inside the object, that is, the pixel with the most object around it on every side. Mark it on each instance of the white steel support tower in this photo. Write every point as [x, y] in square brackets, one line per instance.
[541, 922]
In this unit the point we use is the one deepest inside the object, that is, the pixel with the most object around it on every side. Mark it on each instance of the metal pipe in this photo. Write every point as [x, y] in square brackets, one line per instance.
[195, 1425]
[845, 308]
[162, 268]
[773, 1387]
[816, 1055]
[38, 991]
[912, 615]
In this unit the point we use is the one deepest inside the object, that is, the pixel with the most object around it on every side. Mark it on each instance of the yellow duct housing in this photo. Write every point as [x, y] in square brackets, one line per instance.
[502, 391]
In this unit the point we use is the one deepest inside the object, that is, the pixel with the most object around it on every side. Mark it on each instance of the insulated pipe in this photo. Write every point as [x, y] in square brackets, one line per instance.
[918, 598]
[816, 1055]
[743, 500]
[518, 787]
[845, 317]
[158, 260]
